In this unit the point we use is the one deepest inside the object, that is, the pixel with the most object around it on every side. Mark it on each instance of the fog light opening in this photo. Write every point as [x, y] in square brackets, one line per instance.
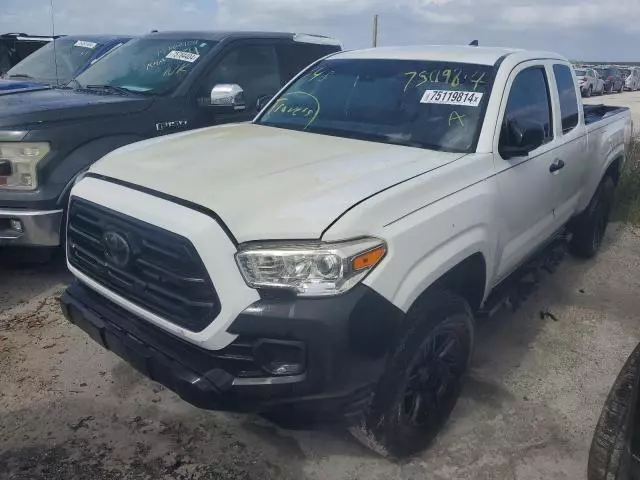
[16, 225]
[280, 358]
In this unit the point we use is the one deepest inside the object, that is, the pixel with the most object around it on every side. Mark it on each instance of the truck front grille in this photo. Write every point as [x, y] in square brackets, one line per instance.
[157, 270]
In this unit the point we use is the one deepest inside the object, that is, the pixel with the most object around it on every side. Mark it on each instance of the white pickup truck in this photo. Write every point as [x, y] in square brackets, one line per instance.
[330, 255]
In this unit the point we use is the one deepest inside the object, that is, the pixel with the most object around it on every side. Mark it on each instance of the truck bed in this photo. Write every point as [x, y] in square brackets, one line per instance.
[595, 113]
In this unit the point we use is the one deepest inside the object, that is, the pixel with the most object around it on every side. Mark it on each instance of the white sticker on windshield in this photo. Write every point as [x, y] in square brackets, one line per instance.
[85, 44]
[184, 56]
[448, 97]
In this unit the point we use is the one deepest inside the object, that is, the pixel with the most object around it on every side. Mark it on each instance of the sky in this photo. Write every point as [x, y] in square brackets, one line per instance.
[579, 29]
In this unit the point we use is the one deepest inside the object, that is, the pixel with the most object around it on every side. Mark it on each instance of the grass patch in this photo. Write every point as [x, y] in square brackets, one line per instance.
[627, 203]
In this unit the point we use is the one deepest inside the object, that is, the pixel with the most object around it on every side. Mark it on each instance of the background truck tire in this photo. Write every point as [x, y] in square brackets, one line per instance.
[589, 228]
[422, 380]
[609, 455]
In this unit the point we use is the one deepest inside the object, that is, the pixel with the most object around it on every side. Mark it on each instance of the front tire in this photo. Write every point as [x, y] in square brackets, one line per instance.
[421, 382]
[588, 92]
[589, 228]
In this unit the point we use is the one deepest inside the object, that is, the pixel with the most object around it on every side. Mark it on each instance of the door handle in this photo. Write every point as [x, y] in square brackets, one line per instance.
[556, 165]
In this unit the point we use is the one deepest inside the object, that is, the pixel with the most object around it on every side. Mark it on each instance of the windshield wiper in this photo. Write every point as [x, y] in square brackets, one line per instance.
[110, 88]
[20, 75]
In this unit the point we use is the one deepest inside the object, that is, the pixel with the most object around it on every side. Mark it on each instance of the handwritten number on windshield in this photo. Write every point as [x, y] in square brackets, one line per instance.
[448, 76]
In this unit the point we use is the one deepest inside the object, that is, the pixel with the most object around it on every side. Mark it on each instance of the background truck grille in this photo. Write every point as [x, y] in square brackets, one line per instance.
[157, 270]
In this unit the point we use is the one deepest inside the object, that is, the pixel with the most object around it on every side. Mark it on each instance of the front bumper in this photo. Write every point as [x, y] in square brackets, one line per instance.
[30, 228]
[344, 339]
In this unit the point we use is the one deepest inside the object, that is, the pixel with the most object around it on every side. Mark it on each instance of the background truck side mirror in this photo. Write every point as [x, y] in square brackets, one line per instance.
[518, 139]
[228, 97]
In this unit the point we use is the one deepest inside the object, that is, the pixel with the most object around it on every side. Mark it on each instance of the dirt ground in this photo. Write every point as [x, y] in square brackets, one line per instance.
[69, 410]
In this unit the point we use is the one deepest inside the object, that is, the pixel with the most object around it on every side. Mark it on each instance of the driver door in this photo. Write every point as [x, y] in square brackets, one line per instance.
[527, 187]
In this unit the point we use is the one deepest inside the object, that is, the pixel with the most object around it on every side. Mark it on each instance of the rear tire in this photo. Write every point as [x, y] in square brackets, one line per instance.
[609, 456]
[421, 382]
[589, 92]
[589, 228]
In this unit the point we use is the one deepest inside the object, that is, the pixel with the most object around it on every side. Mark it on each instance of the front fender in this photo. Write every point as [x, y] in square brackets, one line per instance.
[79, 160]
[427, 244]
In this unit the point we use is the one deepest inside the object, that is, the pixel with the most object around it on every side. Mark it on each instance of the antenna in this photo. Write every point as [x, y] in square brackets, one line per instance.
[53, 36]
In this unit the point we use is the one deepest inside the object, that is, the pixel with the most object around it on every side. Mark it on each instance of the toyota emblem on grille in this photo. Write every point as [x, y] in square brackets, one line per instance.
[117, 248]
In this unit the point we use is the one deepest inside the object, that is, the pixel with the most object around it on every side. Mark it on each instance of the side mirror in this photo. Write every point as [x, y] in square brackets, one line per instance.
[228, 96]
[520, 138]
[262, 102]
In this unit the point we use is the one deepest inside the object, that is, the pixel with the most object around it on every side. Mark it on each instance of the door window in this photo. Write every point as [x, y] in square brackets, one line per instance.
[296, 56]
[568, 98]
[528, 102]
[253, 67]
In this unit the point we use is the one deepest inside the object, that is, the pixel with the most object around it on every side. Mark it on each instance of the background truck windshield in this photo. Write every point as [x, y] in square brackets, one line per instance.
[147, 65]
[70, 55]
[581, 73]
[424, 104]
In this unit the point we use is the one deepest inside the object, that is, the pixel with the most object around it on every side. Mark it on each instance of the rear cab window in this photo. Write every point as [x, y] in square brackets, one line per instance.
[569, 107]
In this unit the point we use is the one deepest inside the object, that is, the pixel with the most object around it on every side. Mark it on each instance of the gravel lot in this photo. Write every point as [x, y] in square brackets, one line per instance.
[69, 410]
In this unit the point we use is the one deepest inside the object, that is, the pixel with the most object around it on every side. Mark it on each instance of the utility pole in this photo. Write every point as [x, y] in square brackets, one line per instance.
[375, 30]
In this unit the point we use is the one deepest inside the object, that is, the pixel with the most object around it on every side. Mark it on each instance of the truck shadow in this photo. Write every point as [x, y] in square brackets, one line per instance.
[19, 282]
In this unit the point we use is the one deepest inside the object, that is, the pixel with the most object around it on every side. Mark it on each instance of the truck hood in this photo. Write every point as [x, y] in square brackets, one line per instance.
[51, 105]
[265, 182]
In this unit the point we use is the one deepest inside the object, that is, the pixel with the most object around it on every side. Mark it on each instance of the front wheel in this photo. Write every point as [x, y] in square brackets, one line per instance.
[588, 92]
[591, 225]
[421, 382]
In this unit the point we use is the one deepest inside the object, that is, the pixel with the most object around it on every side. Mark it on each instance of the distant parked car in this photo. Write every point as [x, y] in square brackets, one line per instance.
[589, 82]
[59, 62]
[16, 46]
[632, 78]
[613, 79]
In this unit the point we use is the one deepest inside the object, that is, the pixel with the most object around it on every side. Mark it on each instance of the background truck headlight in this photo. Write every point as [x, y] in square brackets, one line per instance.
[18, 162]
[311, 269]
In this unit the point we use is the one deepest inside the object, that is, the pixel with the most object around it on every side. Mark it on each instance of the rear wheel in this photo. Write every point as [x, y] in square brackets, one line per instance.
[621, 87]
[589, 228]
[589, 91]
[421, 382]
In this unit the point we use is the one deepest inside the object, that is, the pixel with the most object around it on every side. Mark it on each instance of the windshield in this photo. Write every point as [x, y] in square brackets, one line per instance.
[581, 73]
[148, 65]
[608, 72]
[625, 73]
[424, 104]
[44, 66]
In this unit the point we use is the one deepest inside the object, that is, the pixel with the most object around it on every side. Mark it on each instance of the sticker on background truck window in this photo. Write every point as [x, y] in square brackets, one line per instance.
[448, 97]
[85, 44]
[184, 56]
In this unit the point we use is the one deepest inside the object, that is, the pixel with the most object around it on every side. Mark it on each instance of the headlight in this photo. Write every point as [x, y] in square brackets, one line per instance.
[310, 269]
[18, 161]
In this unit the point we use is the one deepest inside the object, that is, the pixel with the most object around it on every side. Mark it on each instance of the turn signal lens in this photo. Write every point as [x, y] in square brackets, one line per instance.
[368, 259]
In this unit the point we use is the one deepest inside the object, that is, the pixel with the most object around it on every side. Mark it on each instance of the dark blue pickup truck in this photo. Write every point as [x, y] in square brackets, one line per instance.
[156, 84]
[58, 62]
